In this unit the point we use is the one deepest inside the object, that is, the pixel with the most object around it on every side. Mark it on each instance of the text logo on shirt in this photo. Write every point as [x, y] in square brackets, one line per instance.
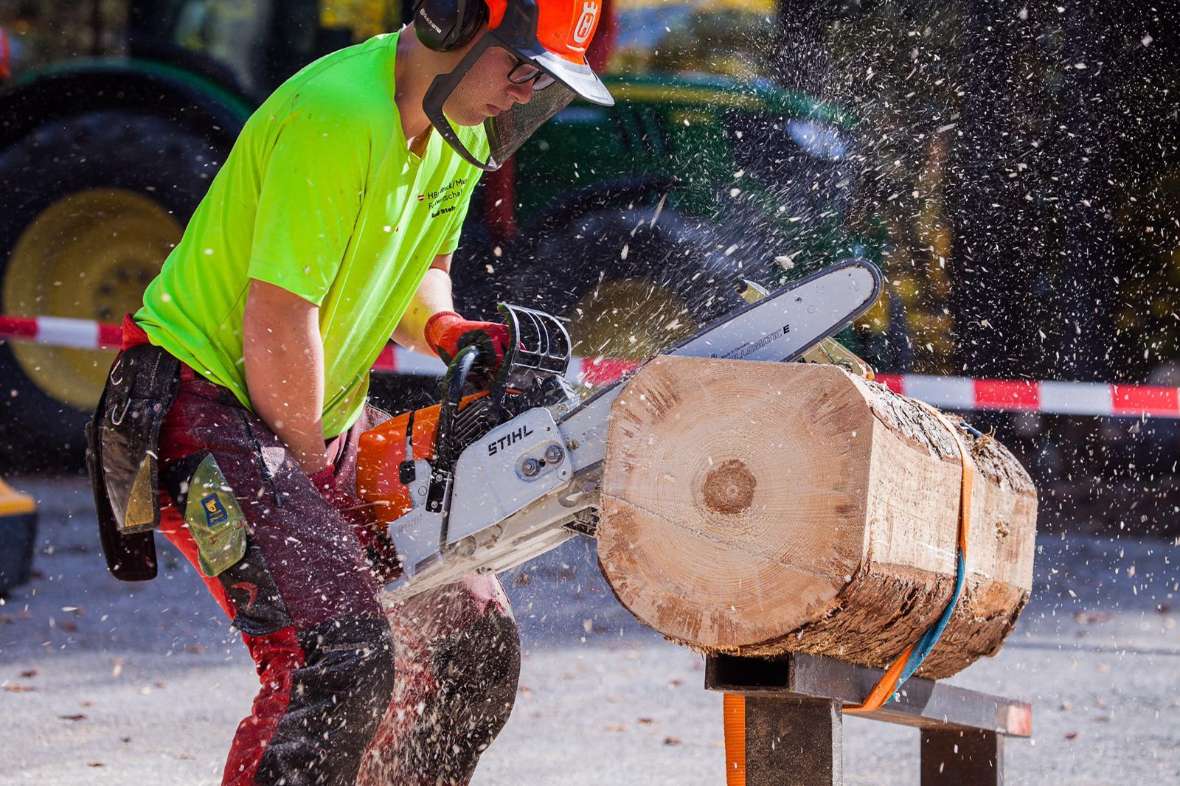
[445, 199]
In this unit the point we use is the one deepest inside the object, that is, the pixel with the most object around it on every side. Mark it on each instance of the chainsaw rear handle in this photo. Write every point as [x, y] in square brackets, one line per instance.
[453, 383]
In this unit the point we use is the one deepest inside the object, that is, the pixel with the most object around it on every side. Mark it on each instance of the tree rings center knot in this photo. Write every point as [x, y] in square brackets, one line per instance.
[729, 487]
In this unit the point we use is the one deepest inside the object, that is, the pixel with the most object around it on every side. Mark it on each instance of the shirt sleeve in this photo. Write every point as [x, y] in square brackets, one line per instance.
[310, 196]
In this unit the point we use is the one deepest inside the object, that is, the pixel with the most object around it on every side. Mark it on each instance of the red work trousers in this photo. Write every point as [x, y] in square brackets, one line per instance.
[351, 692]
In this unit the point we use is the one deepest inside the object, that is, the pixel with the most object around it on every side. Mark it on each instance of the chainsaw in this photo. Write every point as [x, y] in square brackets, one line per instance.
[487, 481]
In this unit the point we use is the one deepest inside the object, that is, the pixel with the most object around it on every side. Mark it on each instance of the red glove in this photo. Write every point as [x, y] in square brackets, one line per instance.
[447, 333]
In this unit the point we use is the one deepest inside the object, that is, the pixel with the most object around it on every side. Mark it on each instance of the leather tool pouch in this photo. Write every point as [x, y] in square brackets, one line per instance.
[122, 455]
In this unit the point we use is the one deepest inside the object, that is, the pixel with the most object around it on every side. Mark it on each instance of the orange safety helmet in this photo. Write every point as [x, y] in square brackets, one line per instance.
[553, 35]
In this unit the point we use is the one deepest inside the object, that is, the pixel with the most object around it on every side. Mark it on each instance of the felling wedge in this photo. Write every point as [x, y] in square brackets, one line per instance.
[765, 508]
[18, 534]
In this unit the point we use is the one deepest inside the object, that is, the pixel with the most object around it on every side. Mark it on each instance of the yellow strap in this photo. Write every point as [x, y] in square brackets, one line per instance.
[968, 483]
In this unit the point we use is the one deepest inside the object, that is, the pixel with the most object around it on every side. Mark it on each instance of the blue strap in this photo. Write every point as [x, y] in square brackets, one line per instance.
[930, 638]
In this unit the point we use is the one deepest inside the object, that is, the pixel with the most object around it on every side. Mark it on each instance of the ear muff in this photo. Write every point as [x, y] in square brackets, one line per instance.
[443, 25]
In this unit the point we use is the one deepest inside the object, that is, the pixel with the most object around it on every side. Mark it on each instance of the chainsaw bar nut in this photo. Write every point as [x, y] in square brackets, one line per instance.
[530, 467]
[554, 454]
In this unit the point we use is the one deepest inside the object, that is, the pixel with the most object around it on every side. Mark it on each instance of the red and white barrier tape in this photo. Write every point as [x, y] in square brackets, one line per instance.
[588, 371]
[61, 332]
[1050, 398]
[85, 334]
[957, 393]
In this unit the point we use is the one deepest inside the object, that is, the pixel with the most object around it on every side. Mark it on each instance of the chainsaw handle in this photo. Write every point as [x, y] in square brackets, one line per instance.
[453, 384]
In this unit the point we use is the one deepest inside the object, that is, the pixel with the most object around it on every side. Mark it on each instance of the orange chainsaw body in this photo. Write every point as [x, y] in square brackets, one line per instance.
[381, 452]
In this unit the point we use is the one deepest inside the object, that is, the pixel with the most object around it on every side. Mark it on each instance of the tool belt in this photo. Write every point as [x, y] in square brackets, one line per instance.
[122, 453]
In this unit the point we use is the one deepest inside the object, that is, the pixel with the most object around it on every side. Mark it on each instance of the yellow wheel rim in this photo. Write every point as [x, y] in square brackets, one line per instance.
[87, 256]
[628, 318]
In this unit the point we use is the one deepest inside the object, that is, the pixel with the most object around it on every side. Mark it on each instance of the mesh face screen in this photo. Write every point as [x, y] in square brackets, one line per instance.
[509, 130]
[506, 132]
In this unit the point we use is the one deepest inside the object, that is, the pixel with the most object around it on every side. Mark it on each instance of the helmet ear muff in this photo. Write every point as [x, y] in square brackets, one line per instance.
[445, 25]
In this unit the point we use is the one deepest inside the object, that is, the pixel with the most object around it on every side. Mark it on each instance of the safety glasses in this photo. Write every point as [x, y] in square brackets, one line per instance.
[526, 71]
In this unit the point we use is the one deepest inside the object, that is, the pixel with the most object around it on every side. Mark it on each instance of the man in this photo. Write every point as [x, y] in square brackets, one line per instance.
[241, 389]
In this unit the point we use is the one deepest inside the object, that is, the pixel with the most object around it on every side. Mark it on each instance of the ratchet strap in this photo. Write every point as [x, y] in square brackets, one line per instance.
[911, 658]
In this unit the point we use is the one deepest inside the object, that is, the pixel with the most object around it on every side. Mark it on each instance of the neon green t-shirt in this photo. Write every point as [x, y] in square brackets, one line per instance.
[320, 196]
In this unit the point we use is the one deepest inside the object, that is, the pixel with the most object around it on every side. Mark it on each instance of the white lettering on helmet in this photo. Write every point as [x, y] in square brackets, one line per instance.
[433, 25]
[585, 23]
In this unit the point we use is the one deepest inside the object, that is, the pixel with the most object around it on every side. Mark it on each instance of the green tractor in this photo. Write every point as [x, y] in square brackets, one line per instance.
[636, 221]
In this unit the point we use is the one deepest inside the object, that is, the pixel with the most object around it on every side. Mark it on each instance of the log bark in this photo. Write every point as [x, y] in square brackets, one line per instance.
[762, 508]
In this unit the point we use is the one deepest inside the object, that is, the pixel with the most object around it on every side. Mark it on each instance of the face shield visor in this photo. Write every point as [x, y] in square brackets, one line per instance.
[549, 51]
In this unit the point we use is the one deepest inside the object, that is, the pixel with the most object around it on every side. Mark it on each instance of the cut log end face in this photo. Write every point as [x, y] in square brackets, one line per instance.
[761, 508]
[714, 515]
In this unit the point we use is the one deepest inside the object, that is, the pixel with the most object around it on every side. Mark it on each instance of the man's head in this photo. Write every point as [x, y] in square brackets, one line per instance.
[498, 81]
[519, 62]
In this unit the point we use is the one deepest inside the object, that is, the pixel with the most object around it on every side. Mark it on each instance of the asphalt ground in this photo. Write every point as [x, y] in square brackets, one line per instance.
[110, 683]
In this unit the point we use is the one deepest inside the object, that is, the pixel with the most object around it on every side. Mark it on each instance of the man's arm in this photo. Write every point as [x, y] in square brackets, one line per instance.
[431, 324]
[284, 357]
[433, 296]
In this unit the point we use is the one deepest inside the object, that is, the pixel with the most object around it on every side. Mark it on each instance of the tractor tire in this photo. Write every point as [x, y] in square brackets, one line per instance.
[631, 282]
[93, 205]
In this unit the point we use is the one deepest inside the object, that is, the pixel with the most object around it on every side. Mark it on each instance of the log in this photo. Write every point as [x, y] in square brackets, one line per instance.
[764, 508]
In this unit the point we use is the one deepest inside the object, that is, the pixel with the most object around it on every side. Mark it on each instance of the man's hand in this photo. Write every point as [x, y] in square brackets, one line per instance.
[447, 333]
[431, 322]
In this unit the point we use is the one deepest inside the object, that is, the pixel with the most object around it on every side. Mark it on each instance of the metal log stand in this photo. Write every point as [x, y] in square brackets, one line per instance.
[785, 722]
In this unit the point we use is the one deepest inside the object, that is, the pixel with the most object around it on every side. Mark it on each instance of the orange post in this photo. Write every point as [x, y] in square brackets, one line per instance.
[734, 712]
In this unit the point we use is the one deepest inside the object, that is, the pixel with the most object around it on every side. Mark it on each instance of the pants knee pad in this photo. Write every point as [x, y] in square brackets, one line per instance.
[478, 670]
[337, 697]
[353, 662]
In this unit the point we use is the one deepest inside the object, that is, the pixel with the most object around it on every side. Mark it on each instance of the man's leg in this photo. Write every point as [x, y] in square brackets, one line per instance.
[302, 597]
[457, 659]
[457, 663]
